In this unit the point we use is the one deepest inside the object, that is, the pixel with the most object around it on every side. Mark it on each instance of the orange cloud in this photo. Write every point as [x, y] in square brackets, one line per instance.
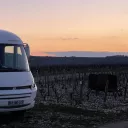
[41, 54]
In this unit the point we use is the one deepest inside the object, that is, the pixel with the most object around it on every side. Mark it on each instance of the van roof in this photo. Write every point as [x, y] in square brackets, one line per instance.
[7, 37]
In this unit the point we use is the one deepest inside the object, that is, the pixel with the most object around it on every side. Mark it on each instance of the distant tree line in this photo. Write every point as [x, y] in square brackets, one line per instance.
[36, 61]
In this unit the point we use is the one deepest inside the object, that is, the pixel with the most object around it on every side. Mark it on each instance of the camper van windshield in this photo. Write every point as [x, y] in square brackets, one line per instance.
[13, 58]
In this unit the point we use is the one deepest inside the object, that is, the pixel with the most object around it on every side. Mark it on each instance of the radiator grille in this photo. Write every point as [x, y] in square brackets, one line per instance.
[16, 88]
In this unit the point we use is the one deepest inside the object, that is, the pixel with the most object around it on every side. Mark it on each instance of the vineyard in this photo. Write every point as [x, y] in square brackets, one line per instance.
[75, 97]
[69, 85]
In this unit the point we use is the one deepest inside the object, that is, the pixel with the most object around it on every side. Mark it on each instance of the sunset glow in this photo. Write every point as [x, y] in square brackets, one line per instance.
[68, 25]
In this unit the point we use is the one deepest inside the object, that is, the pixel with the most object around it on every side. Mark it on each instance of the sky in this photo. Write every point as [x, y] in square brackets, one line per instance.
[51, 27]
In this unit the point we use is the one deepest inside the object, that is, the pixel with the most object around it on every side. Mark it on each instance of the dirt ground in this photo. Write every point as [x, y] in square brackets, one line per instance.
[59, 116]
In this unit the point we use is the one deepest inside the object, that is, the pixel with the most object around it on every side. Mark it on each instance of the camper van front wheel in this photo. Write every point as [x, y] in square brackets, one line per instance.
[19, 113]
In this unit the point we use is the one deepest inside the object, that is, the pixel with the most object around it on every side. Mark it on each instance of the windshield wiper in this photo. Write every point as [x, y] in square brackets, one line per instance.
[3, 68]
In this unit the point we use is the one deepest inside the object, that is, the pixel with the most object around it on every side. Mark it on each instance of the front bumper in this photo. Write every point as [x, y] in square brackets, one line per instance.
[17, 108]
[27, 95]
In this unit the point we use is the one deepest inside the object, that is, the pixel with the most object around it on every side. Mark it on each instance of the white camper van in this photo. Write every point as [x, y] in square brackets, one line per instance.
[17, 86]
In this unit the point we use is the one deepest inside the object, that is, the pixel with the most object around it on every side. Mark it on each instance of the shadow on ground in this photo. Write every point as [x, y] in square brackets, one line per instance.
[59, 116]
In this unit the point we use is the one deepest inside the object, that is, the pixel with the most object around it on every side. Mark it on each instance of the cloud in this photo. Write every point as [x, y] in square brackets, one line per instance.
[61, 38]
[86, 53]
[69, 38]
[40, 53]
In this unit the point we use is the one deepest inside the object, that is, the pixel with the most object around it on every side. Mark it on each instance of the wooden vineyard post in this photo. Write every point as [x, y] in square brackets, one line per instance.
[125, 91]
[106, 90]
[81, 91]
[48, 84]
[89, 90]
[38, 77]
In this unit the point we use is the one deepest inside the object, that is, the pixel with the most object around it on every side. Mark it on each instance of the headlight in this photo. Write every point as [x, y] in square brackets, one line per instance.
[33, 86]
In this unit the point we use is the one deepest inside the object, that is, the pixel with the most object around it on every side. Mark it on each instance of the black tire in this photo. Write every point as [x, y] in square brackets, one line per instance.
[19, 113]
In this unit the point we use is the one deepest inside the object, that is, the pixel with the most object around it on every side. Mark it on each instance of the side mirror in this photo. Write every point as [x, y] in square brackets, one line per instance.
[27, 49]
